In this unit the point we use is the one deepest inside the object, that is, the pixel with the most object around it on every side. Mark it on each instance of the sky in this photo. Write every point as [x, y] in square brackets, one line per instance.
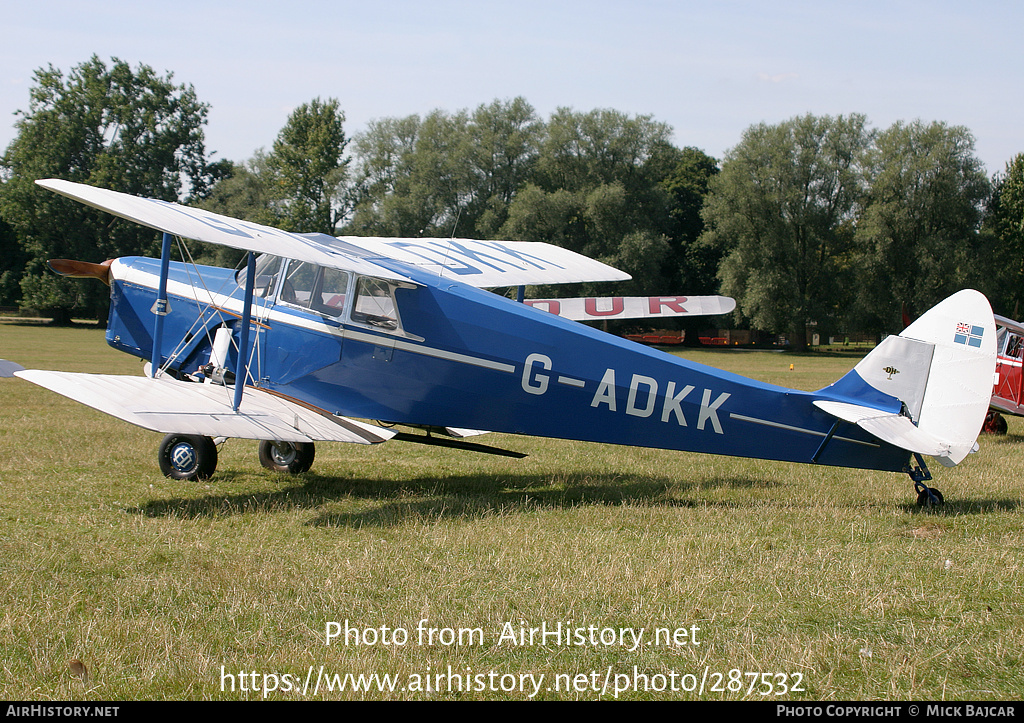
[708, 69]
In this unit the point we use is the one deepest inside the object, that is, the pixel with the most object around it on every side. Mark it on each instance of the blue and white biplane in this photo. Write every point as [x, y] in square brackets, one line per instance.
[317, 333]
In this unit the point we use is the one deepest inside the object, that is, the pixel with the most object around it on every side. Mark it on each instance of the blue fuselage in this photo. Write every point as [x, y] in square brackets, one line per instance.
[464, 357]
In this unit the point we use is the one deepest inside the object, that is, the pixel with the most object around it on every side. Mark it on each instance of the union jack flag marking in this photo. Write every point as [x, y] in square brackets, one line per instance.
[967, 333]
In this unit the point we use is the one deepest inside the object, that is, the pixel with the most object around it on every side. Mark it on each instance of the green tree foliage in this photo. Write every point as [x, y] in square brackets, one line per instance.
[116, 127]
[440, 180]
[603, 183]
[1004, 224]
[504, 143]
[385, 153]
[244, 190]
[596, 191]
[12, 265]
[413, 173]
[445, 174]
[918, 233]
[301, 185]
[686, 178]
[308, 169]
[781, 211]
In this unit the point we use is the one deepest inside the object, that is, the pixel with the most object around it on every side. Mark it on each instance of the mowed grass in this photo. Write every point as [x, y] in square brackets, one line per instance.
[162, 589]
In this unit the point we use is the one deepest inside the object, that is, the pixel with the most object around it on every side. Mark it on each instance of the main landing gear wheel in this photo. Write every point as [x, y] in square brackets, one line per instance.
[291, 457]
[994, 423]
[188, 457]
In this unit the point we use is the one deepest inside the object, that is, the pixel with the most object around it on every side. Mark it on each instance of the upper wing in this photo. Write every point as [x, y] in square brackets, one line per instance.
[484, 264]
[214, 228]
[1014, 326]
[165, 405]
[487, 264]
[634, 307]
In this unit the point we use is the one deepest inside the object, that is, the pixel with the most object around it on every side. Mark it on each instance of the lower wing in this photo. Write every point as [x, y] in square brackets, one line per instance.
[170, 406]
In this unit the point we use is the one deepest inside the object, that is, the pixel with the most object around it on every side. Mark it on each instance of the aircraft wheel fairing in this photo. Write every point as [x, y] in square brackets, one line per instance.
[291, 457]
[187, 457]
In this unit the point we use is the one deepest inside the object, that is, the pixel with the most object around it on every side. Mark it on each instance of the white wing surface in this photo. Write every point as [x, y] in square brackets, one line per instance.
[169, 406]
[892, 428]
[194, 223]
[634, 307]
[484, 264]
[487, 264]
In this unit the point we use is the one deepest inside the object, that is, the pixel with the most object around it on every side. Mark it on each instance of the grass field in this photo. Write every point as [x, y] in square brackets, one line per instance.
[750, 579]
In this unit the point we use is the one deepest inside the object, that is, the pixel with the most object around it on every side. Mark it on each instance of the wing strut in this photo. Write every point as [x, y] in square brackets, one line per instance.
[242, 365]
[160, 307]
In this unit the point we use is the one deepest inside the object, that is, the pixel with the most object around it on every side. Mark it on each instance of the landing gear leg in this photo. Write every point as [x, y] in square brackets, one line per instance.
[926, 496]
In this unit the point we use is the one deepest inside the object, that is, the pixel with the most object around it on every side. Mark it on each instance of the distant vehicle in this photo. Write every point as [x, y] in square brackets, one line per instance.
[318, 333]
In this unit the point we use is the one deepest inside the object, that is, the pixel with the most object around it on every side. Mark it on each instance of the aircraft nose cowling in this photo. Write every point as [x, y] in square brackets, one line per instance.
[82, 269]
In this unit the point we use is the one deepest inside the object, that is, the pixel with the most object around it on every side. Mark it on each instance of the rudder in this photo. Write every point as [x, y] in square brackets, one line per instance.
[940, 370]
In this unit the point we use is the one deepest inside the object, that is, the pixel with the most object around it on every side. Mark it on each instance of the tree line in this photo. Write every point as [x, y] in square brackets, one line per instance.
[816, 221]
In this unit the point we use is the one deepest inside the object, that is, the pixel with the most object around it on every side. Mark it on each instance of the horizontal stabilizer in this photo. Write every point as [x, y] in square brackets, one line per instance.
[634, 307]
[169, 406]
[896, 429]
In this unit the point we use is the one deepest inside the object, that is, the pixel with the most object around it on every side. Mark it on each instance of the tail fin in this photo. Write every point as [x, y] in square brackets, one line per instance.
[934, 380]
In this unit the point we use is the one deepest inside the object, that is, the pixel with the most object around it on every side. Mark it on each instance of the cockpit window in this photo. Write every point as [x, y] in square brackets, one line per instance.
[375, 304]
[1014, 346]
[331, 294]
[314, 287]
[268, 268]
[326, 291]
[298, 283]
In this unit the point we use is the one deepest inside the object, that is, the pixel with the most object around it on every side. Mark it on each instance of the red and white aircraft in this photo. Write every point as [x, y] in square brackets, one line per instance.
[1008, 383]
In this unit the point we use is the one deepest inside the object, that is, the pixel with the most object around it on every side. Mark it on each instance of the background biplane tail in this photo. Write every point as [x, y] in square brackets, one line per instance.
[940, 370]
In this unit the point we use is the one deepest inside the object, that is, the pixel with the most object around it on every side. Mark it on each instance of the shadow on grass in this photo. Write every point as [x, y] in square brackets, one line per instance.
[47, 323]
[1002, 438]
[962, 507]
[452, 497]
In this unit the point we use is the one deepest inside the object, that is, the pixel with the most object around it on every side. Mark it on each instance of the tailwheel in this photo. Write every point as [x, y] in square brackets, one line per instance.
[189, 457]
[291, 457]
[929, 497]
[919, 474]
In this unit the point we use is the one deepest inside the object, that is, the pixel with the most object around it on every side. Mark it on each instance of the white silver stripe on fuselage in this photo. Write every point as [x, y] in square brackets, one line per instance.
[780, 425]
[300, 319]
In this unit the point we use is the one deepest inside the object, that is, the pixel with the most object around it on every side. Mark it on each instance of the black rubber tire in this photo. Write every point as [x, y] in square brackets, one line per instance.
[925, 500]
[290, 457]
[188, 457]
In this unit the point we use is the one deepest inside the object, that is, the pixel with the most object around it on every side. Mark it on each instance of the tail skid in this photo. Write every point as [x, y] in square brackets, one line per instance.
[928, 389]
